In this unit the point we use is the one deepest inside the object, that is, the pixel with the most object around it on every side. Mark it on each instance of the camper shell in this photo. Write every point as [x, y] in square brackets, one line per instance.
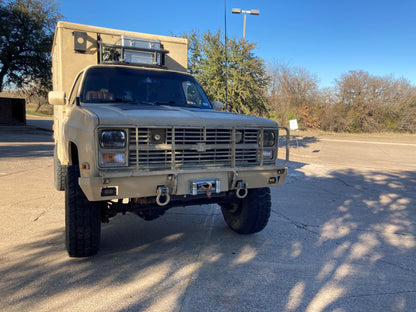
[77, 46]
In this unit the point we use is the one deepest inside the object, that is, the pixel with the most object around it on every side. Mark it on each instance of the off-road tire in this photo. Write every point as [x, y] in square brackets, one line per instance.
[59, 172]
[251, 214]
[82, 218]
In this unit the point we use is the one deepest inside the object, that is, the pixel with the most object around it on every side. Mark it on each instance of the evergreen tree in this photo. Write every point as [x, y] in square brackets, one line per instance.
[245, 77]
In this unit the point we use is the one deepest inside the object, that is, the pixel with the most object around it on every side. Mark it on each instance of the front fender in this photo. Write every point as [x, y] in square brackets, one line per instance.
[79, 134]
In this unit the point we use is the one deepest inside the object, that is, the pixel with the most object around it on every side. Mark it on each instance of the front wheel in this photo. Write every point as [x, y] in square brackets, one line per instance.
[59, 172]
[251, 214]
[82, 218]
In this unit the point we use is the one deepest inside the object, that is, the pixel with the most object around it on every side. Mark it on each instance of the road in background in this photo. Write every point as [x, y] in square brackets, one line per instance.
[388, 152]
[341, 237]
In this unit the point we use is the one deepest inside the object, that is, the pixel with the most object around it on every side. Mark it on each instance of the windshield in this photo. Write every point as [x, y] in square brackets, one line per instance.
[142, 86]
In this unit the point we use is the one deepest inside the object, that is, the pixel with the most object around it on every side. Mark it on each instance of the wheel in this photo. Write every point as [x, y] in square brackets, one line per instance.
[59, 172]
[82, 218]
[251, 214]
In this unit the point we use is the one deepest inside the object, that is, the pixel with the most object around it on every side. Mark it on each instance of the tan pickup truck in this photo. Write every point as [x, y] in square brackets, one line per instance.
[135, 133]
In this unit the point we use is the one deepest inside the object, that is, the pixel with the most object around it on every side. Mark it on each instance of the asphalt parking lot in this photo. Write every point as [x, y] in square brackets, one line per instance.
[341, 237]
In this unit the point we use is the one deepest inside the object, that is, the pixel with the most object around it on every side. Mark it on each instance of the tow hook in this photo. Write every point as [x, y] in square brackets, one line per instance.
[162, 193]
[242, 190]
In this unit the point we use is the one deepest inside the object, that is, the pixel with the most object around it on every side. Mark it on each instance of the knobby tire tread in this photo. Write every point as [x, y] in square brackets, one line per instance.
[82, 218]
[253, 212]
[59, 172]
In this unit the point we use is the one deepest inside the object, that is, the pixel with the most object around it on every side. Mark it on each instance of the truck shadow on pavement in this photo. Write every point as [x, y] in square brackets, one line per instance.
[337, 240]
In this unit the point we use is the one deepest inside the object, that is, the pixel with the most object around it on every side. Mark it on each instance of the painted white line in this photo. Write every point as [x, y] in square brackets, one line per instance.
[369, 142]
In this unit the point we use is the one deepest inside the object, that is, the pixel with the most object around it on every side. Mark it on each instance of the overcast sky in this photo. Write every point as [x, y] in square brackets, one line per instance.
[327, 37]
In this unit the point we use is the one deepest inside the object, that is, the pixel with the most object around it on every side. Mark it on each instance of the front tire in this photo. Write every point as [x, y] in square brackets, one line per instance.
[82, 218]
[251, 214]
[59, 172]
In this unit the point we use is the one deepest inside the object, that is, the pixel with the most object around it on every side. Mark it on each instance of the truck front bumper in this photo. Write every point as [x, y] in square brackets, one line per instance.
[118, 185]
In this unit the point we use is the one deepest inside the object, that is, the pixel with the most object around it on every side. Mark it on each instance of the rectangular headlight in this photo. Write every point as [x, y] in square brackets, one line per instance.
[269, 138]
[112, 159]
[112, 138]
[267, 155]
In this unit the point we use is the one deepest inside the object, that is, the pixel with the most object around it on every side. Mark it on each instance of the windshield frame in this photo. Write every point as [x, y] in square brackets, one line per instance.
[143, 82]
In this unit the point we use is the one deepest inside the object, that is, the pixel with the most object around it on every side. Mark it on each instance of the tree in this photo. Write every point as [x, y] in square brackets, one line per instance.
[293, 92]
[26, 36]
[246, 78]
[377, 103]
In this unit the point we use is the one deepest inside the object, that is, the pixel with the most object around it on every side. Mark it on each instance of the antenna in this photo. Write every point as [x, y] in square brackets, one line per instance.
[226, 58]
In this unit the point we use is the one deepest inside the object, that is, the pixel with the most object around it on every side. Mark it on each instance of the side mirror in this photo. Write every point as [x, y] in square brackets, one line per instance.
[218, 105]
[56, 97]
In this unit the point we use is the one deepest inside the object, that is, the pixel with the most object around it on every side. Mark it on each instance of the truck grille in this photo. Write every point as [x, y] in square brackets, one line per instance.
[176, 148]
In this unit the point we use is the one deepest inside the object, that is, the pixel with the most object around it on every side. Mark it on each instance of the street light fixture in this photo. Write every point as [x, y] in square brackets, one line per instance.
[251, 12]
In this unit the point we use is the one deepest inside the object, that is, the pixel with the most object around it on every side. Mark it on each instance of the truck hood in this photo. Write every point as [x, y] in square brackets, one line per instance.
[162, 116]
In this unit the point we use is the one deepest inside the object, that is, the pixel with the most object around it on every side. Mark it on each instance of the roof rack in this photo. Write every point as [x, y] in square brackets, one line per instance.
[132, 51]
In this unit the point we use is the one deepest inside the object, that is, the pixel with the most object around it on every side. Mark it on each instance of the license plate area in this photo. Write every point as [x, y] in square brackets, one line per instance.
[197, 187]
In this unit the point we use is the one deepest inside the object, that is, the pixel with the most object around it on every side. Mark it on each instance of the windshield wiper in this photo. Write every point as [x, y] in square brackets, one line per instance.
[181, 104]
[123, 101]
[145, 102]
[164, 103]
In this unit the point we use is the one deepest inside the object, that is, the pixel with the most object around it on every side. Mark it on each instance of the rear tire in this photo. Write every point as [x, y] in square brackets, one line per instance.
[251, 214]
[82, 218]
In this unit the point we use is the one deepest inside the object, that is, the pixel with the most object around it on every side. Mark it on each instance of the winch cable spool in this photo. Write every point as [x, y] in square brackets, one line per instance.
[207, 190]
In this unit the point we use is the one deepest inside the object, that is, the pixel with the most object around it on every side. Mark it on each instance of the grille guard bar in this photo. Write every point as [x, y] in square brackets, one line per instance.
[287, 147]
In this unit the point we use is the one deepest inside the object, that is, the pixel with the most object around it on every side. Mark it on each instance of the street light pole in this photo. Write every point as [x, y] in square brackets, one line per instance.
[244, 27]
[251, 12]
